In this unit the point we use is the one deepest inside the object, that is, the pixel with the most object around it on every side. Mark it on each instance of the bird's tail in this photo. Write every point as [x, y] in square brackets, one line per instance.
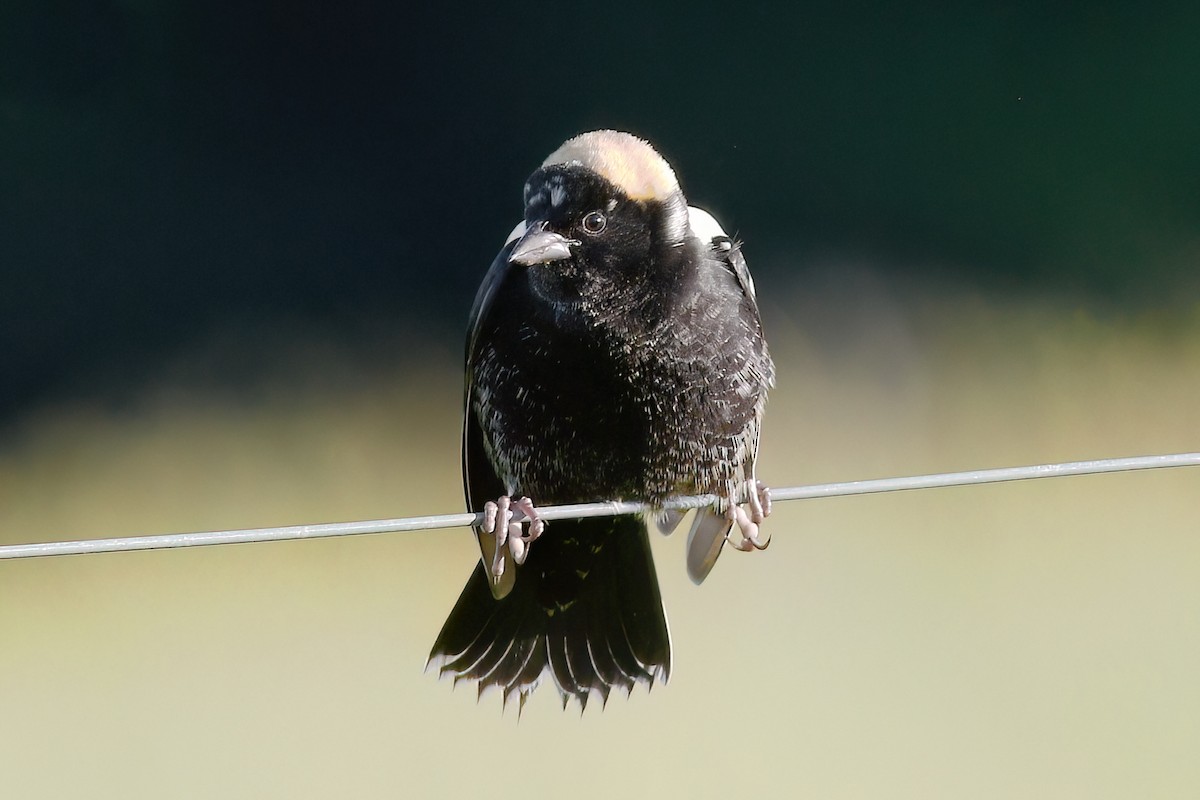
[585, 609]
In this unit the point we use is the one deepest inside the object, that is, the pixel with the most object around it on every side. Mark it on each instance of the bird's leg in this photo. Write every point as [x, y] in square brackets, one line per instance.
[759, 500]
[505, 520]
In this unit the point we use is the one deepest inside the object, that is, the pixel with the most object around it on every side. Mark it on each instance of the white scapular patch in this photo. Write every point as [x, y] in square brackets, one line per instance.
[517, 233]
[624, 160]
[704, 226]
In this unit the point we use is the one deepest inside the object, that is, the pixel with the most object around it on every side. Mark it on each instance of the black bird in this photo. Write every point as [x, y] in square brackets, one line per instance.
[615, 352]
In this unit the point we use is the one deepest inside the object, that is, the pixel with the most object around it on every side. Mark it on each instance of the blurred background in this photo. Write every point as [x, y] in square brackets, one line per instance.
[238, 244]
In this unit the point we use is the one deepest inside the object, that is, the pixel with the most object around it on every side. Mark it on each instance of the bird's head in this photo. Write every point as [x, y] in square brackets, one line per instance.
[601, 213]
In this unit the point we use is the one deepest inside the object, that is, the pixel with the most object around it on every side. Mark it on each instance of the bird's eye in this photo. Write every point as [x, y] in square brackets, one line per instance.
[594, 222]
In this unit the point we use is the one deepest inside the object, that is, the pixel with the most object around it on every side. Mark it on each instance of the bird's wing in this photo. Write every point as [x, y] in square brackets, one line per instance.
[485, 297]
[711, 526]
[480, 481]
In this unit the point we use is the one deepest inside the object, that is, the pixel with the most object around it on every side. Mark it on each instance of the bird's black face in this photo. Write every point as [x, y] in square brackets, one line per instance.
[586, 241]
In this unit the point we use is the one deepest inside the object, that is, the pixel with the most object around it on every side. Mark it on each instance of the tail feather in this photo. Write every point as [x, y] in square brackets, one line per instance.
[704, 542]
[585, 609]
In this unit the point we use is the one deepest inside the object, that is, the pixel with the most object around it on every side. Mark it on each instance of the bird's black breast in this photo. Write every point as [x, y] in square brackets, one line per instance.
[557, 404]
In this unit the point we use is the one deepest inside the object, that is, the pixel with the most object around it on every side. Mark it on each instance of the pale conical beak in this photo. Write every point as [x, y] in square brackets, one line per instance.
[540, 246]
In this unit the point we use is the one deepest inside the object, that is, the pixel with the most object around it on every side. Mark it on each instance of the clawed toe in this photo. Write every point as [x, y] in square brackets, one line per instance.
[505, 519]
[748, 529]
[747, 522]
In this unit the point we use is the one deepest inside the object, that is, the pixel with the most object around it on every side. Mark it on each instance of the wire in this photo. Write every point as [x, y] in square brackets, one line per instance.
[603, 509]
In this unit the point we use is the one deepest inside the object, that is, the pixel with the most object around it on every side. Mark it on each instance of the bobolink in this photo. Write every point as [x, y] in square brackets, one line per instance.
[615, 352]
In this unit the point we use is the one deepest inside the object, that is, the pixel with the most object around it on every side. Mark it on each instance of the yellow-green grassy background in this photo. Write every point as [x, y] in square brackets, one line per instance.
[1021, 640]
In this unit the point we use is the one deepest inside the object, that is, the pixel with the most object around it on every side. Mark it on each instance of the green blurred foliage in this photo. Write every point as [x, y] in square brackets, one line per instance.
[172, 169]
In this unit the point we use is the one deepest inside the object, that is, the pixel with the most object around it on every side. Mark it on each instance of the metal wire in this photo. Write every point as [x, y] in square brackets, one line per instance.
[603, 509]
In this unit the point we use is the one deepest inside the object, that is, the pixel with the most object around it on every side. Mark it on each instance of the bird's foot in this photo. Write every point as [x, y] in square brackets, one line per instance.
[505, 519]
[747, 521]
